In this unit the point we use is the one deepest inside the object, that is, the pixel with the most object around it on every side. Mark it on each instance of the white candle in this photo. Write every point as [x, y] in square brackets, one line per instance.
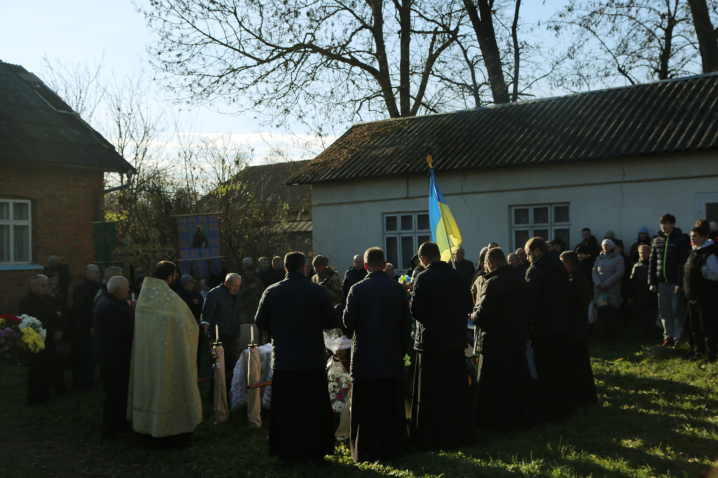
[216, 332]
[251, 330]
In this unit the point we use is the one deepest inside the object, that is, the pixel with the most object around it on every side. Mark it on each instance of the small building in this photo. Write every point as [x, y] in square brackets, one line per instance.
[52, 167]
[613, 159]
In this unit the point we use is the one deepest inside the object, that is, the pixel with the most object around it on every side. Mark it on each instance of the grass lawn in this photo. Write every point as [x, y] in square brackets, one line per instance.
[657, 417]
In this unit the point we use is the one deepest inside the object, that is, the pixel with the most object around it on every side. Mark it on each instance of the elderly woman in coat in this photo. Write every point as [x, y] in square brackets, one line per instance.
[607, 273]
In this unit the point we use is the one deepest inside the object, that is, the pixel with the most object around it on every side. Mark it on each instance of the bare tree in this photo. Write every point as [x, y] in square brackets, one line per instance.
[80, 85]
[625, 41]
[468, 78]
[707, 35]
[343, 59]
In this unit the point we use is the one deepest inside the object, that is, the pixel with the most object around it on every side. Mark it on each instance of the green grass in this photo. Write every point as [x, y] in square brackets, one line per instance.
[657, 417]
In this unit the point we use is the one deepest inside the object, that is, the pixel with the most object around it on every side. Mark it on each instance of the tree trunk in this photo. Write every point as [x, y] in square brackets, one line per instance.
[667, 46]
[384, 79]
[707, 39]
[486, 36]
[405, 63]
[517, 56]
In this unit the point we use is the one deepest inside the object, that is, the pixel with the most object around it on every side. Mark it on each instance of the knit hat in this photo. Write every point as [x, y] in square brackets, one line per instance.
[610, 235]
[609, 242]
[186, 279]
[643, 229]
[320, 260]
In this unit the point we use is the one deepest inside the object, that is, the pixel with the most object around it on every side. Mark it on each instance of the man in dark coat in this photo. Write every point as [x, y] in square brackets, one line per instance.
[275, 273]
[222, 310]
[669, 252]
[294, 312]
[441, 406]
[503, 375]
[582, 388]
[590, 243]
[700, 283]
[43, 366]
[548, 280]
[354, 274]
[63, 274]
[464, 266]
[83, 296]
[378, 313]
[114, 323]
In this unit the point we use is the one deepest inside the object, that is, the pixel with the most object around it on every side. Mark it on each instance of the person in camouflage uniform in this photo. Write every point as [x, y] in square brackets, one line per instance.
[328, 278]
[251, 291]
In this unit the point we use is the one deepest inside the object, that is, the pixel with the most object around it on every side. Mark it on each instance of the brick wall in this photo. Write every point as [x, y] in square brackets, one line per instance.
[64, 203]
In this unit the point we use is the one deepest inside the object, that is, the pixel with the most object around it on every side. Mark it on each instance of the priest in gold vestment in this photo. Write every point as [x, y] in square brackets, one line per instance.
[163, 398]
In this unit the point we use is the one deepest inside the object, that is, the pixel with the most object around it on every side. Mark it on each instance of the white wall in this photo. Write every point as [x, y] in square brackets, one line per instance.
[619, 195]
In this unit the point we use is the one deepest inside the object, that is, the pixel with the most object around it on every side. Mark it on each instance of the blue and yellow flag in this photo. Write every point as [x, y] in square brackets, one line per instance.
[444, 231]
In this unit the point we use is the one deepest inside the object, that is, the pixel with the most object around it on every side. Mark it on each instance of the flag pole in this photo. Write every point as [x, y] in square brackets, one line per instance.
[443, 219]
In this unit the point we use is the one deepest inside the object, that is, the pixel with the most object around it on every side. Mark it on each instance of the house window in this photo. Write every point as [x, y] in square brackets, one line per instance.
[15, 232]
[403, 234]
[547, 221]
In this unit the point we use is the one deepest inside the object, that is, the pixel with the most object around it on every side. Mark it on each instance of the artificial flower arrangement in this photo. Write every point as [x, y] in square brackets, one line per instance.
[405, 279]
[20, 337]
[338, 380]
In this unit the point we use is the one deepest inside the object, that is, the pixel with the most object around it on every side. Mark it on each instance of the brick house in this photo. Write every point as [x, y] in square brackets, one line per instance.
[52, 167]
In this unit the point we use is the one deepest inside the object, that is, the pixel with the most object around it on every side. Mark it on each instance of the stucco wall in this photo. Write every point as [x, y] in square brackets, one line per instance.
[619, 195]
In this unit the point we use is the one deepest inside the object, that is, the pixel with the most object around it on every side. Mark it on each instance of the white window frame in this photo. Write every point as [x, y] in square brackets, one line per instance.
[551, 225]
[12, 222]
[399, 233]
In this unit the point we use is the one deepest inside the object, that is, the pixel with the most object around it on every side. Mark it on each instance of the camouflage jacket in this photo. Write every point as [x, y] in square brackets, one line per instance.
[250, 297]
[333, 285]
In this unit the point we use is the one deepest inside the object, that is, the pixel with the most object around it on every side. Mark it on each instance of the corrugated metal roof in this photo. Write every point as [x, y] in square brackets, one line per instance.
[37, 127]
[294, 226]
[665, 116]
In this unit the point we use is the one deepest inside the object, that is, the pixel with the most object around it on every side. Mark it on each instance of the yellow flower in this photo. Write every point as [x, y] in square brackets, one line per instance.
[32, 340]
[2, 323]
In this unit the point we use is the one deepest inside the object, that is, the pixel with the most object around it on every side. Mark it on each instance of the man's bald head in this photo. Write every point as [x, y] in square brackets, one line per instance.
[513, 260]
[118, 286]
[521, 254]
[40, 285]
[359, 262]
[92, 272]
[232, 282]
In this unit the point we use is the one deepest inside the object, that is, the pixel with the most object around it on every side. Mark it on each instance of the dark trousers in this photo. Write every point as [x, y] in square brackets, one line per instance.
[549, 357]
[701, 327]
[646, 316]
[609, 316]
[87, 353]
[114, 410]
[44, 369]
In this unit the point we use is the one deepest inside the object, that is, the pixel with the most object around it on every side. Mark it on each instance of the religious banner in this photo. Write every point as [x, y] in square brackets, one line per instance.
[199, 243]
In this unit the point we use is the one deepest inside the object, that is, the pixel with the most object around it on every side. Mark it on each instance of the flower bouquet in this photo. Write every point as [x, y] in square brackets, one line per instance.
[20, 337]
[338, 380]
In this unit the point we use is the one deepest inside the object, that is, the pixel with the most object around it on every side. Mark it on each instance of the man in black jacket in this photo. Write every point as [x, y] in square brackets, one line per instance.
[378, 313]
[63, 274]
[43, 366]
[700, 283]
[590, 244]
[548, 280]
[503, 376]
[294, 312]
[582, 388]
[114, 323]
[669, 252]
[83, 295]
[464, 266]
[354, 274]
[441, 402]
[275, 273]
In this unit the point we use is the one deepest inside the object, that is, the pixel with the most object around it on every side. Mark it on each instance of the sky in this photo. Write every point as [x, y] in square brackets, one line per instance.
[78, 31]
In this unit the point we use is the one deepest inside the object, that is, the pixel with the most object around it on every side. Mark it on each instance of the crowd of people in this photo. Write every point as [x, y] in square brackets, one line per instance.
[518, 322]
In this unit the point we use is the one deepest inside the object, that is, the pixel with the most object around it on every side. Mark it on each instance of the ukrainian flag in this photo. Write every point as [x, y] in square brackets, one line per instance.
[444, 231]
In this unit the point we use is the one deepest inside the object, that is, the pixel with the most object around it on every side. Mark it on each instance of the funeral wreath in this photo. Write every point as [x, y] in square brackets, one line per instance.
[20, 337]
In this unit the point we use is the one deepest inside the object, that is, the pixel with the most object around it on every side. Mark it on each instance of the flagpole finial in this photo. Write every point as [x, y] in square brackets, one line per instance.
[429, 160]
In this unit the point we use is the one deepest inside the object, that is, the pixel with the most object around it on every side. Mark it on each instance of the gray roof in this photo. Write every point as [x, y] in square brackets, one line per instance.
[37, 127]
[665, 116]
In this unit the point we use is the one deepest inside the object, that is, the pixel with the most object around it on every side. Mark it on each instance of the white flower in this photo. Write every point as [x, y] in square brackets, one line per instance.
[33, 323]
